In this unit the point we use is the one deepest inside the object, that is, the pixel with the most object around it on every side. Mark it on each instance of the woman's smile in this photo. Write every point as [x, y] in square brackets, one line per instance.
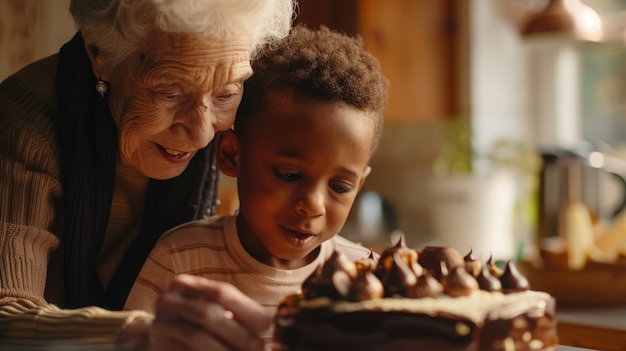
[174, 156]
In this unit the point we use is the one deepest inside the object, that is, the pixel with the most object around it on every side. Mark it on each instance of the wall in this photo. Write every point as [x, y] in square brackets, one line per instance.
[31, 29]
[401, 173]
[497, 84]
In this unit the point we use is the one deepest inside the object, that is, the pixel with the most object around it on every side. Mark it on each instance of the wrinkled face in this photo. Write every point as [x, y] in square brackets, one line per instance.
[169, 101]
[299, 170]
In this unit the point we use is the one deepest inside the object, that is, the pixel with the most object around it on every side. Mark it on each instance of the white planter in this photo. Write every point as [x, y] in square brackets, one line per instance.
[475, 211]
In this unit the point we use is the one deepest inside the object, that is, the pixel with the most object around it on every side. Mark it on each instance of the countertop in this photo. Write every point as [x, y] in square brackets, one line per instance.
[592, 327]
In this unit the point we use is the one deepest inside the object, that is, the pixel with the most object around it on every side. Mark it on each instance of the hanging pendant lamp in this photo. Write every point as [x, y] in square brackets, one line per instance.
[567, 18]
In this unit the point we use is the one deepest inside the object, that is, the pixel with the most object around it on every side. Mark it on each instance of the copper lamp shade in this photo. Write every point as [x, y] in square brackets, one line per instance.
[569, 18]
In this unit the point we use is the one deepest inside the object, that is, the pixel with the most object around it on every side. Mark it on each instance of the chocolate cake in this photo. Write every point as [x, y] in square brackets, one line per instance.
[433, 299]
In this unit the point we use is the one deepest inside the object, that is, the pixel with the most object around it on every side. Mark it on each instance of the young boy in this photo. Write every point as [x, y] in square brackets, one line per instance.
[310, 118]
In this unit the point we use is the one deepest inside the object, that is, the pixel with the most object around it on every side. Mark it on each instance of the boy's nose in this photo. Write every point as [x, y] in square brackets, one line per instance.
[311, 204]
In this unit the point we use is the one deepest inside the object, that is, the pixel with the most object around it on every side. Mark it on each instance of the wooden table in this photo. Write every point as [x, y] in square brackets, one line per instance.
[40, 345]
[596, 328]
[58, 345]
[591, 303]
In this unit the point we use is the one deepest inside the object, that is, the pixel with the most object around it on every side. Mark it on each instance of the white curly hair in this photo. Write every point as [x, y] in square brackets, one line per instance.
[121, 27]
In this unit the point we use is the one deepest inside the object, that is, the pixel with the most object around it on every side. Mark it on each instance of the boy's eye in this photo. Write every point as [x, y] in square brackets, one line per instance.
[340, 188]
[287, 175]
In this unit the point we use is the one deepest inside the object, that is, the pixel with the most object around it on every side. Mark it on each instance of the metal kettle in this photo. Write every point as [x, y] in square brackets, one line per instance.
[585, 175]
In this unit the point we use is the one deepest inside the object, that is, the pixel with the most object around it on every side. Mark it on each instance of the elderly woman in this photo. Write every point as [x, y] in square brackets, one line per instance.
[104, 147]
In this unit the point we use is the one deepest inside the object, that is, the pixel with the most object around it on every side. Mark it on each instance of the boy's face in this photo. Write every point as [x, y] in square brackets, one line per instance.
[298, 171]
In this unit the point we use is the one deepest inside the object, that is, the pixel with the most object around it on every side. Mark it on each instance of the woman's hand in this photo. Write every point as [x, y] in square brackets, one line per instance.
[201, 314]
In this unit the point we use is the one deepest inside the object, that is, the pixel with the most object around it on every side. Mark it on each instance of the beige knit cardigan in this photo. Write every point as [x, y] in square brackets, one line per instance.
[30, 212]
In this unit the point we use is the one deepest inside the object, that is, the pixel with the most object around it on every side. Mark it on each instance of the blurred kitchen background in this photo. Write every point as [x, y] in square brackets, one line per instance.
[479, 89]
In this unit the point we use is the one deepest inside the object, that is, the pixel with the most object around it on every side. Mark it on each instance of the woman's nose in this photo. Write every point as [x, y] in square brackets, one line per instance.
[199, 126]
[311, 203]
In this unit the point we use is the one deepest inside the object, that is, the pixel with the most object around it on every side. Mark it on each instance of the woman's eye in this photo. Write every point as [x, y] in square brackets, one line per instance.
[228, 96]
[232, 92]
[171, 97]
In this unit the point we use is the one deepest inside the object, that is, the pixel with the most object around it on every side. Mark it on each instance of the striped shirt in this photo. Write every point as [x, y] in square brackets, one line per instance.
[211, 248]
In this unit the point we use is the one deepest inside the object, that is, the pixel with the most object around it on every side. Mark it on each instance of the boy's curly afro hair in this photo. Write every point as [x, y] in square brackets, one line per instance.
[321, 65]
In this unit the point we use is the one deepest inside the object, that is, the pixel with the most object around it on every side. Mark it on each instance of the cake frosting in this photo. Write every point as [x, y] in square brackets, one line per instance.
[410, 299]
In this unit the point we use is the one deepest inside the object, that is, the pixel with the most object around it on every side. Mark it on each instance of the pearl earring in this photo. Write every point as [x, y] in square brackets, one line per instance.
[102, 87]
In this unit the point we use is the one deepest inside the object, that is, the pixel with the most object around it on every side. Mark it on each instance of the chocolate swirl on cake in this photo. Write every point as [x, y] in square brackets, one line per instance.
[512, 280]
[405, 272]
[459, 283]
[426, 286]
[398, 269]
[486, 280]
[472, 265]
[328, 279]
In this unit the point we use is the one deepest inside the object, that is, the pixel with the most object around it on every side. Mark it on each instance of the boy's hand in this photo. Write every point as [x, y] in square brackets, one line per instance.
[201, 314]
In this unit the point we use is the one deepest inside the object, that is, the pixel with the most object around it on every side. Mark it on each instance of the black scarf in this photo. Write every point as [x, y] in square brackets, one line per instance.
[88, 145]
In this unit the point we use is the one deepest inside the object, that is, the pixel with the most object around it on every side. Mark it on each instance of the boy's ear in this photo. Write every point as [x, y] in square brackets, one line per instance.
[228, 152]
[366, 172]
[98, 63]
